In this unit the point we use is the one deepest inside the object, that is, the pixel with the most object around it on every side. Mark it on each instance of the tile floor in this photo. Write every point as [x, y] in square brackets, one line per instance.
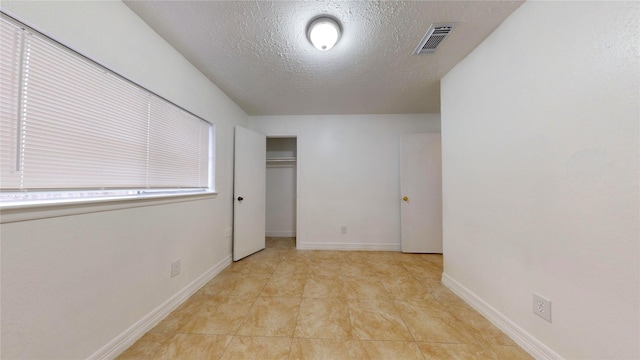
[282, 303]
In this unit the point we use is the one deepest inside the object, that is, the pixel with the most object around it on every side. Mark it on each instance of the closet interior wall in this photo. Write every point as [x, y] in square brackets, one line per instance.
[281, 187]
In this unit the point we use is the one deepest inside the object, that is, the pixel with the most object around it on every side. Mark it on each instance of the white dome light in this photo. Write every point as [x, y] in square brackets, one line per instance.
[324, 32]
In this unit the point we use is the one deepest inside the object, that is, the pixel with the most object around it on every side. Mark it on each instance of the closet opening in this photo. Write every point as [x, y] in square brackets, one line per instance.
[281, 192]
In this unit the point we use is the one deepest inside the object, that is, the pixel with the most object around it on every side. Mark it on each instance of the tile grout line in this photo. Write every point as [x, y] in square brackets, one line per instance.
[393, 301]
[235, 334]
[346, 301]
[295, 327]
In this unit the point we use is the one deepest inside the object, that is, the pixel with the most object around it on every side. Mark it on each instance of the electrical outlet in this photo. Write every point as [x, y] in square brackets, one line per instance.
[343, 229]
[228, 232]
[542, 307]
[175, 268]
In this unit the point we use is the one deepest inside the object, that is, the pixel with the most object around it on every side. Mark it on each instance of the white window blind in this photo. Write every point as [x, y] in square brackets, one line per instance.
[173, 137]
[69, 124]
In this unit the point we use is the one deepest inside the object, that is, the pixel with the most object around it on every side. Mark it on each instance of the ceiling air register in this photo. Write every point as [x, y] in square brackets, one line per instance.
[435, 35]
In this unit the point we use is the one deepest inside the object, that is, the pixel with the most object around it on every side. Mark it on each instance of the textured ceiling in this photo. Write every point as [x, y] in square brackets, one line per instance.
[258, 54]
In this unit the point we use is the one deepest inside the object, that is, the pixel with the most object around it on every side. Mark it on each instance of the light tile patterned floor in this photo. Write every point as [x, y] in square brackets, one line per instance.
[281, 303]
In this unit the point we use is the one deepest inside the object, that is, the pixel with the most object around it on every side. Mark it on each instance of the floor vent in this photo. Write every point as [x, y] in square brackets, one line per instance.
[433, 38]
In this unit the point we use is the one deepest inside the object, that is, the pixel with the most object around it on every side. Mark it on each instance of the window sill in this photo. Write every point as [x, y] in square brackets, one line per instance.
[18, 212]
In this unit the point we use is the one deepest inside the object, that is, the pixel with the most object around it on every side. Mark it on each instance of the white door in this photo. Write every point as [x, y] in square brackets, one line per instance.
[421, 191]
[248, 193]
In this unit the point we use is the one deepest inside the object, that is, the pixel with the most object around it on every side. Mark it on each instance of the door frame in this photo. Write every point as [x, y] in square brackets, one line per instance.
[296, 136]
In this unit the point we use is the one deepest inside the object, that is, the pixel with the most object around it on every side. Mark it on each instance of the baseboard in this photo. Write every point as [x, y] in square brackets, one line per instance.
[280, 233]
[347, 246]
[527, 341]
[123, 341]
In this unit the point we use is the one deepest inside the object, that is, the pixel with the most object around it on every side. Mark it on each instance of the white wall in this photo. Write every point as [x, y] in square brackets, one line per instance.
[281, 188]
[72, 284]
[348, 176]
[540, 175]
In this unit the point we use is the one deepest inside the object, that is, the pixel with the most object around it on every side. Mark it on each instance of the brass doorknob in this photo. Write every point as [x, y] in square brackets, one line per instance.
[404, 198]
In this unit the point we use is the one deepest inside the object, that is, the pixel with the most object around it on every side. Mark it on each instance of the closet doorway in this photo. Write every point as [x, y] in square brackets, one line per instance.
[281, 191]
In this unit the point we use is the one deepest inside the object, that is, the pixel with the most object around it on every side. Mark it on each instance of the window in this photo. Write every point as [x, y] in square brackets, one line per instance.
[71, 129]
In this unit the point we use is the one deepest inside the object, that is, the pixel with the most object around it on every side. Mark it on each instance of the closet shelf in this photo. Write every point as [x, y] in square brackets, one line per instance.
[281, 160]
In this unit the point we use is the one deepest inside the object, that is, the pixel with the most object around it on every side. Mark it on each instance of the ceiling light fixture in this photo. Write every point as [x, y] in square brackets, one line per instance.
[323, 32]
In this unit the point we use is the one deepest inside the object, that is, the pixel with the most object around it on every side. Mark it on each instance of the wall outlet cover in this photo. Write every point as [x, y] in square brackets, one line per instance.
[542, 307]
[175, 268]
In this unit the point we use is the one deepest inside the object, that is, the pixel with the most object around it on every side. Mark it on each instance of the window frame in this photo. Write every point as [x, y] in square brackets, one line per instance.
[102, 199]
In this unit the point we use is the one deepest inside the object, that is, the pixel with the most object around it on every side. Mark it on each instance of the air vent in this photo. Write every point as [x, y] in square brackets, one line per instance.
[433, 38]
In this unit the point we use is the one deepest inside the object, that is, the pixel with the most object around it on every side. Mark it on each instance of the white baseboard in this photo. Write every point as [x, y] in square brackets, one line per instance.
[280, 233]
[123, 341]
[347, 246]
[529, 343]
